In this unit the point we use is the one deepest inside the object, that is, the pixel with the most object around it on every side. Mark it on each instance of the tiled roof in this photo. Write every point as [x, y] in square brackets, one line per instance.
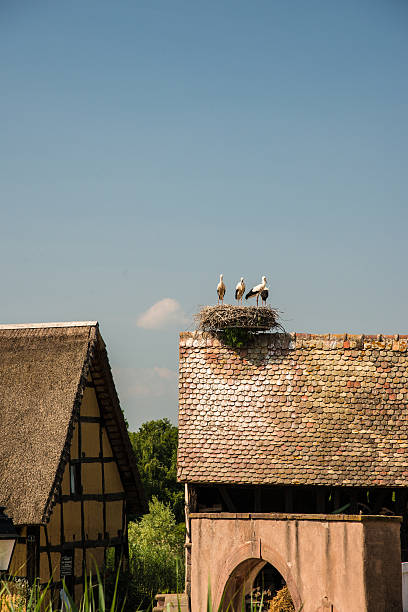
[294, 409]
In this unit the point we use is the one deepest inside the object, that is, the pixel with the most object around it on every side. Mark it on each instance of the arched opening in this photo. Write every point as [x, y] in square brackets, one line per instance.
[252, 586]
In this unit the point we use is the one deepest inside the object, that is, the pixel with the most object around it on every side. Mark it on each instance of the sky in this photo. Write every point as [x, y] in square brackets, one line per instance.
[147, 147]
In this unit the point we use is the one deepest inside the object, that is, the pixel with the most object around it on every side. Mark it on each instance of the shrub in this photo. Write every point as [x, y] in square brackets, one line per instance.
[282, 602]
[42, 598]
[156, 552]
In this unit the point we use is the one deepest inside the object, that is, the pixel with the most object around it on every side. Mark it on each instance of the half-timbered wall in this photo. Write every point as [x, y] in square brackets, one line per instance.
[19, 560]
[90, 513]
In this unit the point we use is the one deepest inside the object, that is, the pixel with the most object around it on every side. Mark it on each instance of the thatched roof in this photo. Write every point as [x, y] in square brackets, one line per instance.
[43, 372]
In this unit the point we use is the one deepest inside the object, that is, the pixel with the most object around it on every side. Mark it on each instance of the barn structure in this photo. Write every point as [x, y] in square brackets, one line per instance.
[294, 453]
[68, 477]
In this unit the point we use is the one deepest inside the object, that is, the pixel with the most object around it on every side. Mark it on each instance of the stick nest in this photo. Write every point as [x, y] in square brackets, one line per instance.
[218, 318]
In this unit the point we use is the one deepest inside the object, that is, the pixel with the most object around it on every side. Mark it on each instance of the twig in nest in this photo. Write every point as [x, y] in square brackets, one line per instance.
[215, 318]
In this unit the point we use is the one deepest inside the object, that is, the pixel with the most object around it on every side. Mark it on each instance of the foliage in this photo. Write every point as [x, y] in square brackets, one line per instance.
[282, 602]
[126, 585]
[14, 593]
[44, 599]
[156, 541]
[94, 598]
[155, 447]
[11, 601]
[235, 337]
[156, 552]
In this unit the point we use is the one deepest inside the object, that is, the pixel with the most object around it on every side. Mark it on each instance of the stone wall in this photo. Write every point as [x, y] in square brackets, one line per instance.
[330, 563]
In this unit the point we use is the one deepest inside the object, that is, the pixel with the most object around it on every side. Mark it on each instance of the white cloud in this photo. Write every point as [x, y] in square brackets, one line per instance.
[162, 314]
[145, 382]
[165, 373]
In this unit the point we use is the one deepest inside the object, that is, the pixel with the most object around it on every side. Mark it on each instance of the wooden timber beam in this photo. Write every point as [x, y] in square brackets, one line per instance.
[227, 499]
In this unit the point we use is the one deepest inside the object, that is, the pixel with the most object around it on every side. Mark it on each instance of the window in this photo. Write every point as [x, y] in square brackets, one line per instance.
[75, 478]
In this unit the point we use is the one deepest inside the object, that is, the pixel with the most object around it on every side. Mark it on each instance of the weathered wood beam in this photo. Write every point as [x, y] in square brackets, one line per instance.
[257, 498]
[288, 499]
[320, 500]
[227, 499]
[90, 419]
[94, 497]
[93, 460]
[104, 542]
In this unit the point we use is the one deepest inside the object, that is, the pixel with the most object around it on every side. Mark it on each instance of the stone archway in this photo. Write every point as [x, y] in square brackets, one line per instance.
[348, 563]
[240, 585]
[240, 569]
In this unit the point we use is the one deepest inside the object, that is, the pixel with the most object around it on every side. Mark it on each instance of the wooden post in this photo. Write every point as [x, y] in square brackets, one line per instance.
[226, 498]
[288, 499]
[320, 500]
[258, 498]
[33, 553]
[187, 543]
[81, 493]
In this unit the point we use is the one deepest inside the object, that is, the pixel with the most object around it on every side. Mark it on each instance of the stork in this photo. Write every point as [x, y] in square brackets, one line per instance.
[256, 291]
[240, 290]
[264, 296]
[221, 290]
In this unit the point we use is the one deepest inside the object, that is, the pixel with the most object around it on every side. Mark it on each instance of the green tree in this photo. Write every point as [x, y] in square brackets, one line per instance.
[155, 447]
[156, 552]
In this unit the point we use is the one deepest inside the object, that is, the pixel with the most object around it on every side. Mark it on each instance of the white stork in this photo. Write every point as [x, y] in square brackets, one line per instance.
[256, 291]
[221, 290]
[240, 290]
[264, 296]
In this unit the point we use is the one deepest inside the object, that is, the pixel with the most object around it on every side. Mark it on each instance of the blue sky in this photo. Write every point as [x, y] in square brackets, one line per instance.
[148, 146]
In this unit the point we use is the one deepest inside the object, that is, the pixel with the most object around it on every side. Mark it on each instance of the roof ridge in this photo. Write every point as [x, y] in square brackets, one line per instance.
[49, 325]
[76, 406]
[306, 335]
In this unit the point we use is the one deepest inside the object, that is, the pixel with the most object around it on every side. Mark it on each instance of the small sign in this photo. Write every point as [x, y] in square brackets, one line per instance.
[66, 565]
